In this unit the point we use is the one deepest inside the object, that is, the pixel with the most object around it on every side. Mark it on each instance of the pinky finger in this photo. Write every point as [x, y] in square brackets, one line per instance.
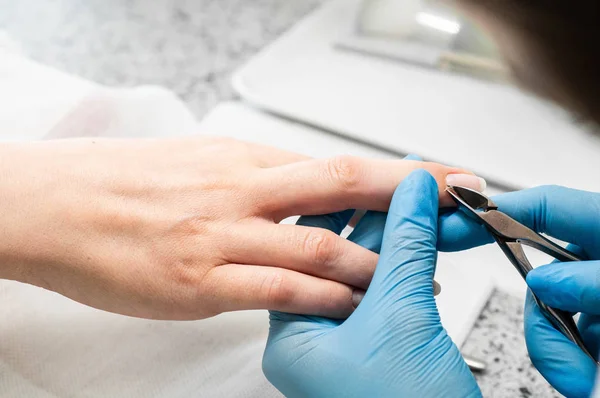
[248, 287]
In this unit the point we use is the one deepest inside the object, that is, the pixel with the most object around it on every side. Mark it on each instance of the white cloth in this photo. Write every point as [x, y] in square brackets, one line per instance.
[51, 346]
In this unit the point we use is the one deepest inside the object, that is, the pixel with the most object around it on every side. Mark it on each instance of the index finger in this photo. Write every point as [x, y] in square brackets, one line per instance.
[330, 185]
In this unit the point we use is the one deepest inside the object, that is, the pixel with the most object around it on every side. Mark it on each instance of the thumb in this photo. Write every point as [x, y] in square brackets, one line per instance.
[408, 253]
[572, 287]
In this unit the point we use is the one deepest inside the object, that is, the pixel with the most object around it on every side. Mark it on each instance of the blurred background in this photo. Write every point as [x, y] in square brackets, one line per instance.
[189, 46]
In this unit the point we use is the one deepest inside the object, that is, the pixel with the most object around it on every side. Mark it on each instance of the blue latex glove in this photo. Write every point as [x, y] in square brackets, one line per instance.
[394, 344]
[571, 216]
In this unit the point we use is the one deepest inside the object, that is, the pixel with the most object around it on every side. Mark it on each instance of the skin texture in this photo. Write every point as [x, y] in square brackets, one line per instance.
[188, 228]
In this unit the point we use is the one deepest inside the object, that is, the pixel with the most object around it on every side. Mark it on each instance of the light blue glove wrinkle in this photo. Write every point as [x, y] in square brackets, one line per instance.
[394, 344]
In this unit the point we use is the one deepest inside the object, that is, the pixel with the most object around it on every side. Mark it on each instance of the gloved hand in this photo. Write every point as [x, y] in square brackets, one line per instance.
[571, 216]
[393, 345]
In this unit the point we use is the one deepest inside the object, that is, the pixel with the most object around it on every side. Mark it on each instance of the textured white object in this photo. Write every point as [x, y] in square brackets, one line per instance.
[495, 130]
[40, 102]
[33, 97]
[140, 112]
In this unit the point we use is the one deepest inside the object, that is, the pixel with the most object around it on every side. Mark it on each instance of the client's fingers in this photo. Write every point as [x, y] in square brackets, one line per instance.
[236, 287]
[329, 185]
[312, 251]
[368, 231]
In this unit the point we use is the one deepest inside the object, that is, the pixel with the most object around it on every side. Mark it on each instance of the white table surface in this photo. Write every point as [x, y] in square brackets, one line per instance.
[495, 130]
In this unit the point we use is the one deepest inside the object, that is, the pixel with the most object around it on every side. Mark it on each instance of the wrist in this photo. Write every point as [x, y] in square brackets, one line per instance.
[25, 197]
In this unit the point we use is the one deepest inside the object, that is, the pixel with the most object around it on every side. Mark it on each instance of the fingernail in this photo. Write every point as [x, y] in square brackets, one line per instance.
[437, 288]
[357, 297]
[467, 181]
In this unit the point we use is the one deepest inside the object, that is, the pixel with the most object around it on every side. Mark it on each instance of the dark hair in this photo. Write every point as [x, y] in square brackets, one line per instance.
[551, 46]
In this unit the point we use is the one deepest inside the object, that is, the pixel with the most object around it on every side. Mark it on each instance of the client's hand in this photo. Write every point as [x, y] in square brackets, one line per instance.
[187, 228]
[394, 344]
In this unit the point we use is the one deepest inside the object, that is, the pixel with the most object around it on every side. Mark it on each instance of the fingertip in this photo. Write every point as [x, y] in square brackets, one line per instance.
[420, 189]
[457, 232]
[409, 246]
[537, 278]
[334, 222]
[368, 233]
[422, 175]
[419, 179]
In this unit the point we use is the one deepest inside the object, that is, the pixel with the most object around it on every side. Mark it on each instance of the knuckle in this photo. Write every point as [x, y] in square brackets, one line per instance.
[345, 171]
[435, 169]
[331, 301]
[416, 249]
[278, 290]
[320, 246]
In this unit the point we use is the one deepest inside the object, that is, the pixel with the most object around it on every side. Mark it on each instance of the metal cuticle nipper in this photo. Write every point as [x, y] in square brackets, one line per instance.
[511, 236]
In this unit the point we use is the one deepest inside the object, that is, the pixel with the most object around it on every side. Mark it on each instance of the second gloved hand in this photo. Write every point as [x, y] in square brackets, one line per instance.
[394, 344]
[572, 216]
